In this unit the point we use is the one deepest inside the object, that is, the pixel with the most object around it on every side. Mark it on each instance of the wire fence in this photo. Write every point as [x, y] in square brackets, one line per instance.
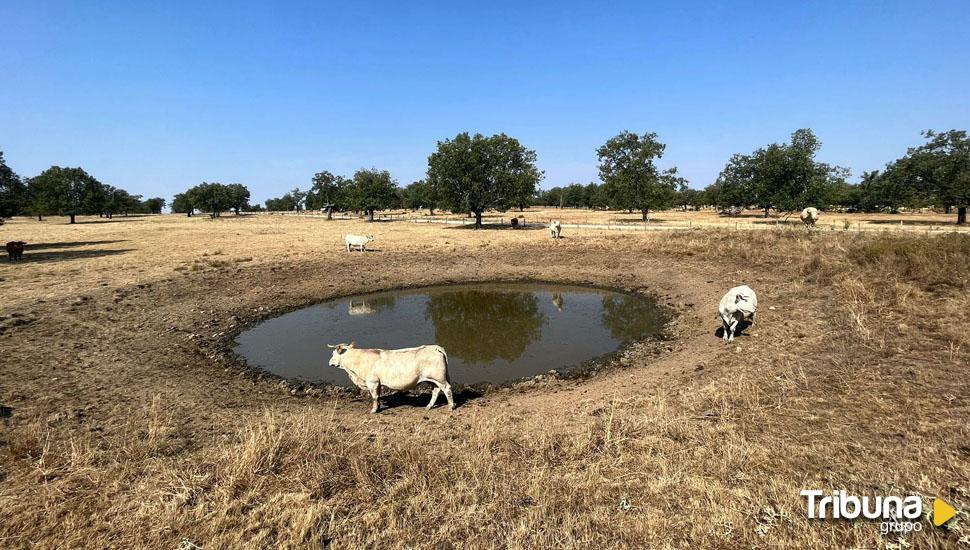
[533, 222]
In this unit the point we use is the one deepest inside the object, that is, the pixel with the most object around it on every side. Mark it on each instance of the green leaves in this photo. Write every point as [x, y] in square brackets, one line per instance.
[631, 178]
[327, 190]
[213, 198]
[13, 191]
[371, 190]
[782, 176]
[474, 173]
[66, 191]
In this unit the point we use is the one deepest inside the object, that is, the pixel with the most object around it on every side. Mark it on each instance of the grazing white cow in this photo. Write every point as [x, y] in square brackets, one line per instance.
[738, 304]
[555, 228]
[809, 216]
[396, 369]
[360, 241]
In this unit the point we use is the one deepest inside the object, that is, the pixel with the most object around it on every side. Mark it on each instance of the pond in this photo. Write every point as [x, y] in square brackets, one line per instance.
[492, 332]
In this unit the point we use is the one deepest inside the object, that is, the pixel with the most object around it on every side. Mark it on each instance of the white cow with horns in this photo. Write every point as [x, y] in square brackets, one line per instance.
[395, 369]
[740, 303]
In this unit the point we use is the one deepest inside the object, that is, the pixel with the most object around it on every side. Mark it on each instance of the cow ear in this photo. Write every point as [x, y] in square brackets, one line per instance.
[737, 298]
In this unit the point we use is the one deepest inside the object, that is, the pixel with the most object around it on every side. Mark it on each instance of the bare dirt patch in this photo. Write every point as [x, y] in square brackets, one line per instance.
[127, 423]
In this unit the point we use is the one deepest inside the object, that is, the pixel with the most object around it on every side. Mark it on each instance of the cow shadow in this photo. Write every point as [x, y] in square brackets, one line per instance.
[912, 222]
[65, 255]
[501, 227]
[413, 399]
[110, 220]
[739, 331]
[68, 244]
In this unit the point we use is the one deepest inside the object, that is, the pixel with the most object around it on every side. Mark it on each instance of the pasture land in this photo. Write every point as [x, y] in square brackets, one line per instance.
[919, 222]
[126, 423]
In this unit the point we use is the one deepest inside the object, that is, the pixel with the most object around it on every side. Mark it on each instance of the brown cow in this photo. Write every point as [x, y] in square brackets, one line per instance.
[15, 249]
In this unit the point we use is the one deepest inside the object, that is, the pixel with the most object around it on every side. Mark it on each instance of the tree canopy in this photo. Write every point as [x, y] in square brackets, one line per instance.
[13, 191]
[631, 178]
[939, 170]
[420, 194]
[327, 191]
[155, 205]
[66, 192]
[474, 173]
[213, 198]
[780, 176]
[371, 190]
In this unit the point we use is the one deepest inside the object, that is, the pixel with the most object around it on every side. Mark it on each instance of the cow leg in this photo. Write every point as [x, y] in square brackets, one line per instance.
[734, 326]
[348, 247]
[753, 315]
[375, 394]
[725, 328]
[449, 396]
[434, 397]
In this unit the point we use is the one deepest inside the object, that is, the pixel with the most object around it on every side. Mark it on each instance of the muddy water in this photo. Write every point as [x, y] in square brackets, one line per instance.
[493, 332]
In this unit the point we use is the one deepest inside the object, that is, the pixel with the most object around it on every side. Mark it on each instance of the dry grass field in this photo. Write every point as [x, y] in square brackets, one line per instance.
[920, 222]
[126, 422]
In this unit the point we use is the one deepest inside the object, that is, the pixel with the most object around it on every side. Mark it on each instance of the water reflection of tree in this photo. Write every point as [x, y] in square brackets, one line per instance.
[558, 301]
[630, 318]
[480, 326]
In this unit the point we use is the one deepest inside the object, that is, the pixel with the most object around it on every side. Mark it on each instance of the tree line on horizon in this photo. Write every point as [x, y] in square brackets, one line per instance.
[474, 173]
[66, 191]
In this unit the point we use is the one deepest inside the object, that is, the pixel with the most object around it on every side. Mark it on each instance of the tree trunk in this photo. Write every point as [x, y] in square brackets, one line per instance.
[961, 215]
[72, 217]
[767, 208]
[370, 215]
[40, 218]
[645, 214]
[329, 214]
[431, 211]
[478, 219]
[947, 209]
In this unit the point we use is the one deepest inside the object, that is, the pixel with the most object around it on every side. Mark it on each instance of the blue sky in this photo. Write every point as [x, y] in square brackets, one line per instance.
[156, 97]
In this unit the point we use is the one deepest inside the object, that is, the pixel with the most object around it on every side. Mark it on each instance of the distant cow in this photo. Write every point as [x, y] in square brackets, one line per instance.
[360, 241]
[15, 249]
[809, 216]
[396, 369]
[515, 222]
[555, 228]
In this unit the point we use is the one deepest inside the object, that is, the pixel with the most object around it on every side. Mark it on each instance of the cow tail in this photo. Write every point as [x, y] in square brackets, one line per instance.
[445, 355]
